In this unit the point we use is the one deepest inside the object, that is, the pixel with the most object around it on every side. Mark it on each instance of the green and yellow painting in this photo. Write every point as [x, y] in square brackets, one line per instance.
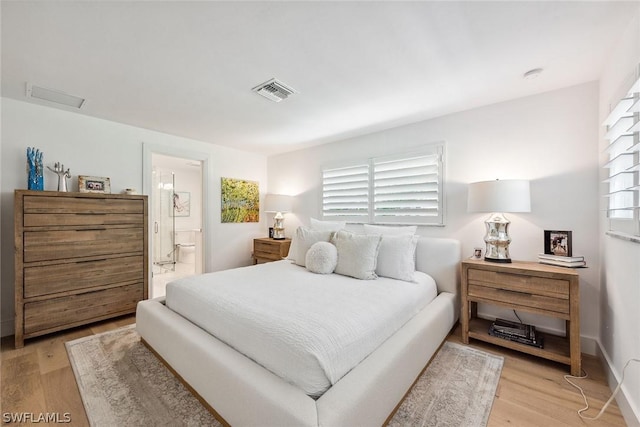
[240, 200]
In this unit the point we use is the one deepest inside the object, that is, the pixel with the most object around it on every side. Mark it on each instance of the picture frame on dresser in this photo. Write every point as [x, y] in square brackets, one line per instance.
[94, 184]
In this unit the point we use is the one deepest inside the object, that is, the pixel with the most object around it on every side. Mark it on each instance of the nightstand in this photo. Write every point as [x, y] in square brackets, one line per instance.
[529, 287]
[267, 250]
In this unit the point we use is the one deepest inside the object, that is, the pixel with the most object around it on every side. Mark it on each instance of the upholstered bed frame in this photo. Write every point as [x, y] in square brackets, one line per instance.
[244, 393]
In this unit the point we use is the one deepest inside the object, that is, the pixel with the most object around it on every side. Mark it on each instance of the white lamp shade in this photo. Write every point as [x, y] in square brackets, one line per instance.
[509, 195]
[278, 203]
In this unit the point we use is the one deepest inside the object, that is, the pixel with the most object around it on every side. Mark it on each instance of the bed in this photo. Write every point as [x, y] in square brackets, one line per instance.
[243, 393]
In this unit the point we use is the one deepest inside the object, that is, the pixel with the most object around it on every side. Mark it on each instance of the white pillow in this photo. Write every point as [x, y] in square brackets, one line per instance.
[390, 231]
[304, 239]
[397, 257]
[322, 258]
[293, 247]
[357, 254]
[316, 224]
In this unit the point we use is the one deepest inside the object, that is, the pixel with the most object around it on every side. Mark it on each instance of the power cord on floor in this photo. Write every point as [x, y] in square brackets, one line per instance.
[604, 408]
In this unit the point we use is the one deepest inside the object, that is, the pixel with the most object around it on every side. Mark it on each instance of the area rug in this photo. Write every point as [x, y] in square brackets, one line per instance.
[122, 383]
[456, 389]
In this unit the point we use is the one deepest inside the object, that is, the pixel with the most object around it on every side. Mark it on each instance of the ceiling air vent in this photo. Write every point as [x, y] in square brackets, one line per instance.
[274, 90]
[54, 96]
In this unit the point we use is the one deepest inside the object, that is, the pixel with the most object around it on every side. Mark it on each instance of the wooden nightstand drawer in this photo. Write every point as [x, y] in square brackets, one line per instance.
[519, 282]
[267, 247]
[267, 250]
[514, 297]
[267, 256]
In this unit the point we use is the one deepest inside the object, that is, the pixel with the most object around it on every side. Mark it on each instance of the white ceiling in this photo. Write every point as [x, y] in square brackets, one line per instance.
[187, 68]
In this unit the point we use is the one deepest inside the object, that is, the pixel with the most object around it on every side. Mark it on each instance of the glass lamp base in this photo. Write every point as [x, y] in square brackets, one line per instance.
[278, 227]
[497, 239]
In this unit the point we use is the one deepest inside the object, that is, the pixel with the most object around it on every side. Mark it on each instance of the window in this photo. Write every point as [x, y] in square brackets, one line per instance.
[623, 130]
[399, 189]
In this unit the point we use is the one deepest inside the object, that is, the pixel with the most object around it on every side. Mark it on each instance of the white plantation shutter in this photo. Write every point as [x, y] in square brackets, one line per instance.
[399, 189]
[407, 189]
[345, 193]
[623, 130]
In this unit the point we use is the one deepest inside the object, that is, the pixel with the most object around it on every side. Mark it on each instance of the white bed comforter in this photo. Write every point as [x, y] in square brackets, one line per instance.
[307, 328]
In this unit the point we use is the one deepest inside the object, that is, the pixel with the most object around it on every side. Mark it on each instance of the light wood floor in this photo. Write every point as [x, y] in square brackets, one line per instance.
[532, 392]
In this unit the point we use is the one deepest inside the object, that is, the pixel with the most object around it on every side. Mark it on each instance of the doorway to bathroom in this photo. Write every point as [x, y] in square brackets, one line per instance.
[176, 209]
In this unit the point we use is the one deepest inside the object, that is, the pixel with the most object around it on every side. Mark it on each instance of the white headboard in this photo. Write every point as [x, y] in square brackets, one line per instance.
[440, 258]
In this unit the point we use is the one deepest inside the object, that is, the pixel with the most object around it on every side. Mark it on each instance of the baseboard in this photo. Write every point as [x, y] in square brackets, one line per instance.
[7, 327]
[630, 413]
[589, 346]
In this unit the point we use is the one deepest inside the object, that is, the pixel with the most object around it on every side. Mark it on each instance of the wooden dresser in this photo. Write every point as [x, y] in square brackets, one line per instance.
[79, 258]
[530, 287]
[267, 249]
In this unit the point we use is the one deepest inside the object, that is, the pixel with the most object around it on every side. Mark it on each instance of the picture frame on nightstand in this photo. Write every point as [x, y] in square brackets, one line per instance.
[557, 243]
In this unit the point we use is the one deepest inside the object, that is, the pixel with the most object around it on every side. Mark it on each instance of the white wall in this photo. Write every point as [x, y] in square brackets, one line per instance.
[91, 146]
[550, 139]
[620, 292]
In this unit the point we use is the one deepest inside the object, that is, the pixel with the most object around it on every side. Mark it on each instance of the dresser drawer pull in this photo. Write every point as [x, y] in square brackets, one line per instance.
[91, 260]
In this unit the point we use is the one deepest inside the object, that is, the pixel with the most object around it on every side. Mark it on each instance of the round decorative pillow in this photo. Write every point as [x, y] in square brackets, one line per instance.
[322, 258]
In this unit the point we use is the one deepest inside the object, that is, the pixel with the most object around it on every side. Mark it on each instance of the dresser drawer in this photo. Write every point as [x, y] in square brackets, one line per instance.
[64, 244]
[76, 309]
[43, 211]
[50, 279]
[513, 297]
[535, 285]
[82, 205]
[63, 219]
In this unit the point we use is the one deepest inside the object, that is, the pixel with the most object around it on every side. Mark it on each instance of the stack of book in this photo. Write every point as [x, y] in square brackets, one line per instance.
[562, 261]
[518, 332]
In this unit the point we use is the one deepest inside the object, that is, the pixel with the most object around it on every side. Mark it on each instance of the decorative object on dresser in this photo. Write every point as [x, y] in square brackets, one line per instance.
[529, 287]
[58, 169]
[509, 195]
[94, 184]
[267, 250]
[79, 258]
[278, 204]
[35, 180]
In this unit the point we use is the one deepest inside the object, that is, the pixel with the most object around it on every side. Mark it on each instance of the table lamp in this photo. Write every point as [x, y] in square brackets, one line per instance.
[497, 197]
[278, 203]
